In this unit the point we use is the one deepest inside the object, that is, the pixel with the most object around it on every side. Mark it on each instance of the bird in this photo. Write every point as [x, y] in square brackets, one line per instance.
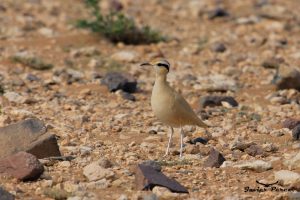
[168, 105]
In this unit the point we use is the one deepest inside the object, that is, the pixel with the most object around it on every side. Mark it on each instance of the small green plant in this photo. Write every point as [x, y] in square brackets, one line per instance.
[117, 27]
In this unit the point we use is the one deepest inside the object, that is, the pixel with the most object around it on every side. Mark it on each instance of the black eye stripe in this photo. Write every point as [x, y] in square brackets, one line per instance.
[163, 65]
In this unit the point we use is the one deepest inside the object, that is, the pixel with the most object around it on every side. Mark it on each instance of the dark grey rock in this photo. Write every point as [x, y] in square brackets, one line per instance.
[254, 150]
[128, 96]
[290, 123]
[28, 135]
[198, 139]
[32, 77]
[4, 195]
[218, 47]
[217, 13]
[22, 165]
[217, 101]
[153, 164]
[296, 133]
[147, 177]
[271, 63]
[119, 81]
[215, 159]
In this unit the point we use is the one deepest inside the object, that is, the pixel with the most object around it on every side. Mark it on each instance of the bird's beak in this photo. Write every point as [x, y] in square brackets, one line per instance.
[146, 64]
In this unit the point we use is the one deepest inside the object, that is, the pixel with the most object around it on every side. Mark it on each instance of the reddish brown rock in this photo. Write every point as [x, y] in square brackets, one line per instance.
[22, 165]
[215, 159]
[29, 135]
[290, 123]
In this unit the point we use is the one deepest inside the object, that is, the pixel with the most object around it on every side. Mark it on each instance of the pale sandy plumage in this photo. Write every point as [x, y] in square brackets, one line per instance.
[168, 105]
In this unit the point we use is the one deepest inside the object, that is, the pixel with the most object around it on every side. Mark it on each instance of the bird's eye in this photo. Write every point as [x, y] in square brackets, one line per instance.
[163, 65]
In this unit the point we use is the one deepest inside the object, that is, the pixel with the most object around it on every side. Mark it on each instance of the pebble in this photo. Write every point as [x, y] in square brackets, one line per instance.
[14, 97]
[286, 177]
[125, 56]
[256, 165]
[96, 172]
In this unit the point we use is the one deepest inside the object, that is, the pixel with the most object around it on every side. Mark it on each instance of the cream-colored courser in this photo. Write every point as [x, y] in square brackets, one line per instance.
[168, 105]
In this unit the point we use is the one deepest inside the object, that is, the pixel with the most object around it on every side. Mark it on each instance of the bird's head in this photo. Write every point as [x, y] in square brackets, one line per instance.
[162, 66]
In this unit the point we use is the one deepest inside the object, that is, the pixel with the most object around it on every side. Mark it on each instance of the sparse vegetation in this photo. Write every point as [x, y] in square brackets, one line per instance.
[117, 27]
[32, 62]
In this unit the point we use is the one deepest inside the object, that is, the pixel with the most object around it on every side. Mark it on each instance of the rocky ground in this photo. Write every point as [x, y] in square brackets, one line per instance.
[236, 62]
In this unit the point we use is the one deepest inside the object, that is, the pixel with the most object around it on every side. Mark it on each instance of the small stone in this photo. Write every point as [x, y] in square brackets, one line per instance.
[254, 150]
[128, 96]
[296, 133]
[256, 165]
[293, 163]
[4, 195]
[215, 159]
[286, 177]
[217, 101]
[290, 123]
[192, 149]
[271, 63]
[164, 193]
[147, 177]
[119, 81]
[100, 184]
[56, 193]
[123, 197]
[105, 163]
[32, 77]
[218, 47]
[198, 140]
[14, 97]
[287, 78]
[218, 12]
[96, 172]
[239, 144]
[22, 165]
[125, 56]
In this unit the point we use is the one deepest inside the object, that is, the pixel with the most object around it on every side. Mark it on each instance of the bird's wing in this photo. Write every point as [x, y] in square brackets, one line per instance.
[182, 108]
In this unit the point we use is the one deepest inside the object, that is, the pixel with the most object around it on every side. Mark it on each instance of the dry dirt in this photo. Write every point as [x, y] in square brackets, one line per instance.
[118, 129]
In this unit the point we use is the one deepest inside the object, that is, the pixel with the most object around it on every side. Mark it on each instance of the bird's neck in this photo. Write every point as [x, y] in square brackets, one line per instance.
[161, 79]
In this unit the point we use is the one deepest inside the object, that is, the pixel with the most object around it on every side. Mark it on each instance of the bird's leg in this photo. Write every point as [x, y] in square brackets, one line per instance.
[170, 140]
[181, 142]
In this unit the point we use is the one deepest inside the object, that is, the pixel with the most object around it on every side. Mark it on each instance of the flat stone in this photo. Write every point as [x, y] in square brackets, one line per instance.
[147, 177]
[286, 177]
[256, 165]
[28, 135]
[4, 195]
[119, 81]
[14, 97]
[215, 159]
[96, 172]
[22, 165]
[217, 101]
[294, 162]
[290, 123]
[125, 56]
[296, 132]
